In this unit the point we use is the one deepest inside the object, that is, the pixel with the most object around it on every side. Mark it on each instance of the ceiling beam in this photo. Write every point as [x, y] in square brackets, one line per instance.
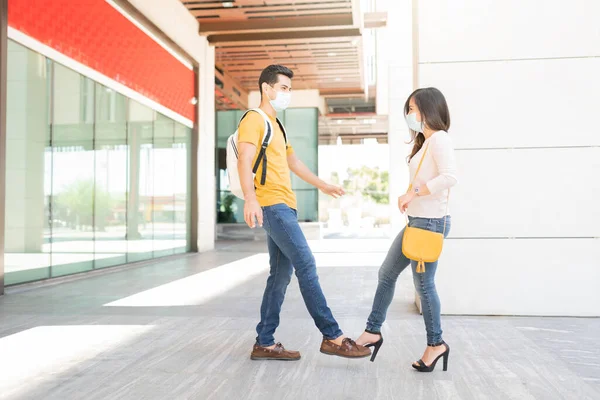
[334, 20]
[266, 36]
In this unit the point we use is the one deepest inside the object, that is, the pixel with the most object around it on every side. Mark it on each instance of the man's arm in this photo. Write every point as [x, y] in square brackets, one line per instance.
[252, 210]
[304, 173]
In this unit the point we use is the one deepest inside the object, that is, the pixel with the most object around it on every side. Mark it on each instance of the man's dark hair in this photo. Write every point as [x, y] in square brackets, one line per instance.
[270, 75]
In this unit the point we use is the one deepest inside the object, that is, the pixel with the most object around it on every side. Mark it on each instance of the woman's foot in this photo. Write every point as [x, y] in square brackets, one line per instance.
[368, 338]
[431, 354]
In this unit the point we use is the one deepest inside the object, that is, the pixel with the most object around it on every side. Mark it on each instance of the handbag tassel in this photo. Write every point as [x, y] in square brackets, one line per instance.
[421, 267]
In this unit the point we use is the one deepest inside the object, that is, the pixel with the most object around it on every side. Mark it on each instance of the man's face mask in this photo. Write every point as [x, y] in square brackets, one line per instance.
[281, 101]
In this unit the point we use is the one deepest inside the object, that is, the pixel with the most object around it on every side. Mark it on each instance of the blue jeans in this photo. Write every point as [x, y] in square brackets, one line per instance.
[394, 263]
[288, 249]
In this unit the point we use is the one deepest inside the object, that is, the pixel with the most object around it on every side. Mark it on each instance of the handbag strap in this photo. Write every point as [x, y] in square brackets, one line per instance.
[410, 187]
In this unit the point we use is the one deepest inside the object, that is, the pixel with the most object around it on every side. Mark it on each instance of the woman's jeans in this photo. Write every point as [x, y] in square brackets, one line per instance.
[395, 262]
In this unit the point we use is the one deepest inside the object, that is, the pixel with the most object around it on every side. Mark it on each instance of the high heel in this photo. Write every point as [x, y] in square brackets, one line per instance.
[376, 346]
[422, 367]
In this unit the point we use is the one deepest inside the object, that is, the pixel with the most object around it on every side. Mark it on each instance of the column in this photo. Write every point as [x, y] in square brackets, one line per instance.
[3, 64]
[394, 85]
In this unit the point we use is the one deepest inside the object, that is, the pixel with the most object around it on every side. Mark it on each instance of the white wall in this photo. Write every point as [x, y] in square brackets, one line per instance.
[172, 17]
[394, 85]
[521, 79]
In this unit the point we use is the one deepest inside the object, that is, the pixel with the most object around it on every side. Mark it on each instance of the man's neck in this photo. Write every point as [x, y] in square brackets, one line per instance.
[268, 108]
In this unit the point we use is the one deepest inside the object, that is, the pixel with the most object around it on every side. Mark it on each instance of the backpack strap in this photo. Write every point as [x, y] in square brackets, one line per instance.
[282, 130]
[267, 137]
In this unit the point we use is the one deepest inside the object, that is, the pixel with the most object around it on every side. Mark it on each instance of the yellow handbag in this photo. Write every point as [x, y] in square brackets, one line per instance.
[419, 244]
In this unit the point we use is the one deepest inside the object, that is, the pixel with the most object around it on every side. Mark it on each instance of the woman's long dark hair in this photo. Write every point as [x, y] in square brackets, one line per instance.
[434, 111]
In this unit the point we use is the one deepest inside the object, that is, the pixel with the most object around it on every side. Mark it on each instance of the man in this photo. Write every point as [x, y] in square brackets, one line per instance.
[273, 206]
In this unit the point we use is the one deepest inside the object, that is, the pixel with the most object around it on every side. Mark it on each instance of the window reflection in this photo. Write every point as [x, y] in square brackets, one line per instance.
[28, 167]
[110, 198]
[72, 199]
[140, 232]
[93, 179]
[163, 204]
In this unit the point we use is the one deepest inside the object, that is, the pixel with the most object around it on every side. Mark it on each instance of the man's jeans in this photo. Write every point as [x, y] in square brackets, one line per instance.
[288, 247]
[394, 263]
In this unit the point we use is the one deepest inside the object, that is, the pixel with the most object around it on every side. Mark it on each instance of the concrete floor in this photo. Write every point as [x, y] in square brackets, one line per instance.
[183, 328]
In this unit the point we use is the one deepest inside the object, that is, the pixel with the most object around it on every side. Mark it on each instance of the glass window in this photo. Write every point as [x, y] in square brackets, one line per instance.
[28, 167]
[163, 204]
[182, 183]
[94, 179]
[110, 197]
[230, 209]
[302, 126]
[140, 137]
[73, 164]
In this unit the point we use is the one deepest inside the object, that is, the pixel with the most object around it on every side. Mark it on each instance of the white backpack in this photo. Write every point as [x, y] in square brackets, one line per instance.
[232, 154]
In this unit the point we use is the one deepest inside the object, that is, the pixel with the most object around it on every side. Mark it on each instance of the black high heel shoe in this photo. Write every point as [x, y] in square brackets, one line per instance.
[376, 346]
[422, 367]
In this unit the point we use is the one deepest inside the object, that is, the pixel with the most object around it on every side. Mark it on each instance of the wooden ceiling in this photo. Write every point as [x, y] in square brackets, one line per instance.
[329, 64]
[318, 39]
[218, 15]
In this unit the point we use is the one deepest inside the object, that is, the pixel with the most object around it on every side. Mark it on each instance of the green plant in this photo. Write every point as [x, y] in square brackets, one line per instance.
[82, 205]
[226, 214]
[370, 182]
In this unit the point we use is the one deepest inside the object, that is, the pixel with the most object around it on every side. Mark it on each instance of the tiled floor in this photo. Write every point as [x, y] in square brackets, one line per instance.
[183, 329]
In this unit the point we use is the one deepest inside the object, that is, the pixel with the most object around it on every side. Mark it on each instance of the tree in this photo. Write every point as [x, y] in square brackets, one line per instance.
[370, 182]
[83, 205]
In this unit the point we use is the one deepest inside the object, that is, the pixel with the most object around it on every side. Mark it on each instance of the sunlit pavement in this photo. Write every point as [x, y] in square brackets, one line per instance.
[182, 328]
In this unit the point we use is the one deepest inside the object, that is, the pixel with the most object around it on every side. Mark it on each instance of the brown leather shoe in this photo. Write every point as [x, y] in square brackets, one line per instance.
[348, 349]
[277, 353]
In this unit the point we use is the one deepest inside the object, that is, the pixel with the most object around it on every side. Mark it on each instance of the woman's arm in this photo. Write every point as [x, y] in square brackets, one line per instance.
[442, 151]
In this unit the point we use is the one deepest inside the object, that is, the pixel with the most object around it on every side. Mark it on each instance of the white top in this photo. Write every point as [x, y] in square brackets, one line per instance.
[438, 172]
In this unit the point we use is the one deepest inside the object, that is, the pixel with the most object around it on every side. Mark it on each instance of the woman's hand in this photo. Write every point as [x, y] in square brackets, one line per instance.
[404, 201]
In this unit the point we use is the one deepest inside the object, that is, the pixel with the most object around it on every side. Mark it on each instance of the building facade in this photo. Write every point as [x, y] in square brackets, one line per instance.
[102, 137]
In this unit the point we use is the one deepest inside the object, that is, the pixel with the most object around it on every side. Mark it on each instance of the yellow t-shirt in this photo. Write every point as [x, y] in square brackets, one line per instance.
[278, 186]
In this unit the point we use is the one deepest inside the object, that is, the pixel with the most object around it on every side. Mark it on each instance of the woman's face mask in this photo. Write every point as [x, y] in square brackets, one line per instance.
[413, 124]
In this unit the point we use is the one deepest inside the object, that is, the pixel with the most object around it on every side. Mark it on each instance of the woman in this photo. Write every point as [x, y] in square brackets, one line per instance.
[426, 204]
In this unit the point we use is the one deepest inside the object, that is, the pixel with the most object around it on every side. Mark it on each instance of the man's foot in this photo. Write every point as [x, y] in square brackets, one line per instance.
[275, 352]
[345, 347]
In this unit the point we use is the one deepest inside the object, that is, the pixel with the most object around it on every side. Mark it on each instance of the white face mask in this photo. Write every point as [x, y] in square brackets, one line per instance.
[282, 101]
[411, 121]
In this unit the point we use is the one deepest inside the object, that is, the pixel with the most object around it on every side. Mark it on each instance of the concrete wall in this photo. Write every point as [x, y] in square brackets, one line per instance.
[172, 17]
[395, 65]
[521, 79]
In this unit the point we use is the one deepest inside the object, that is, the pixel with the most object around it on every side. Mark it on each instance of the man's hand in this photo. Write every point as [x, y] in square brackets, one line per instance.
[332, 190]
[253, 212]
[404, 201]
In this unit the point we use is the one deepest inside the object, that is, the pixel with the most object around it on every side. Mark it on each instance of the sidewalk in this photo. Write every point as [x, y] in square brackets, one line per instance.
[183, 328]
